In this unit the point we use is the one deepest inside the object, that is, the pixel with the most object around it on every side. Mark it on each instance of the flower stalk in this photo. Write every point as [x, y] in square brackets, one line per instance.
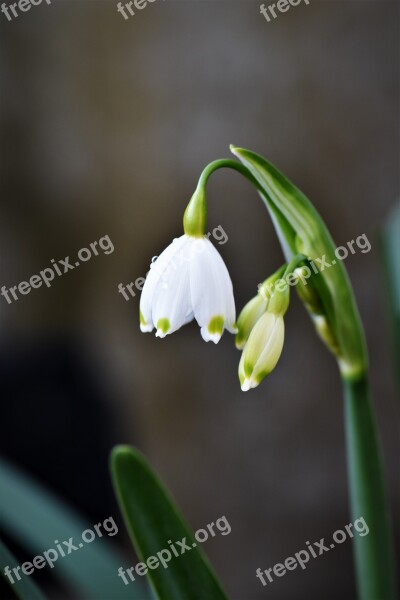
[374, 553]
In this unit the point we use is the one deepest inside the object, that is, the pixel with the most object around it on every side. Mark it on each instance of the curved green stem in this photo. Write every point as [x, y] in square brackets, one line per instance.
[222, 163]
[374, 554]
[195, 217]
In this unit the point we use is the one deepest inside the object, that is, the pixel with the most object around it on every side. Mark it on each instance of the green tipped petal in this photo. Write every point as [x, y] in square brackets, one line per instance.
[216, 325]
[242, 375]
[214, 329]
[163, 326]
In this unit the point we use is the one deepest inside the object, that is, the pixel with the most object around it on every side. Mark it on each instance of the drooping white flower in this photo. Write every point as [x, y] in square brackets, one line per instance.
[188, 280]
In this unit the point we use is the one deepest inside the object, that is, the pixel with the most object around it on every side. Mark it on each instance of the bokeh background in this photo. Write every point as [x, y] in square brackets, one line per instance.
[106, 126]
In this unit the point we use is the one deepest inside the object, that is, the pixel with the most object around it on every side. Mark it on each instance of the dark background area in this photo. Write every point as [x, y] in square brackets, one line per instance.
[106, 125]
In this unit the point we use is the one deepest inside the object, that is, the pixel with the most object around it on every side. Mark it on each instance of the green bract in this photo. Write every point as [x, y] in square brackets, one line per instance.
[301, 230]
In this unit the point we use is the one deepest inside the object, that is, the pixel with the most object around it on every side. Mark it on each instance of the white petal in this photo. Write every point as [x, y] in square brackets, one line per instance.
[158, 269]
[211, 288]
[160, 333]
[210, 337]
[172, 299]
[246, 385]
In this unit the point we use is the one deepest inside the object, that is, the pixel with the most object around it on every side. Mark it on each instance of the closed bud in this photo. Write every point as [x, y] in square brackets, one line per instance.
[307, 292]
[326, 333]
[249, 316]
[262, 351]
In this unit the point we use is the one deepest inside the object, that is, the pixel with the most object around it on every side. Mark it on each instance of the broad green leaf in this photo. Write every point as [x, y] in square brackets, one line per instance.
[153, 520]
[25, 588]
[35, 518]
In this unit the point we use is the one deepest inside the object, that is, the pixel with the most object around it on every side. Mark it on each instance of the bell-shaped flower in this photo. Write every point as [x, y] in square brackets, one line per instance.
[262, 350]
[188, 280]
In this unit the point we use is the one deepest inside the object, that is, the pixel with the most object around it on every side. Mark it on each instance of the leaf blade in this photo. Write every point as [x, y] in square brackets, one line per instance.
[152, 519]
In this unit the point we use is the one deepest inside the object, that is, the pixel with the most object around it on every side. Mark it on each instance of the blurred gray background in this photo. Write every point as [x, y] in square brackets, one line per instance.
[106, 126]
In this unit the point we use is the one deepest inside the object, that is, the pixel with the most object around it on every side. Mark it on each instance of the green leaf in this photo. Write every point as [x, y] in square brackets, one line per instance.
[301, 230]
[152, 520]
[25, 588]
[391, 260]
[35, 518]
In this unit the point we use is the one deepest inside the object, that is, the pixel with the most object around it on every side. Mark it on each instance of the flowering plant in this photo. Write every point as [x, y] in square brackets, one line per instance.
[199, 287]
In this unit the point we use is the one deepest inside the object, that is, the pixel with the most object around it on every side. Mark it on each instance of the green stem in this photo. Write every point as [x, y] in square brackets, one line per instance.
[293, 264]
[374, 556]
[222, 163]
[195, 217]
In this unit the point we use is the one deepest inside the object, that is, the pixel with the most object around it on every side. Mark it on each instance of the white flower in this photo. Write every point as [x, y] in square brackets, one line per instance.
[188, 280]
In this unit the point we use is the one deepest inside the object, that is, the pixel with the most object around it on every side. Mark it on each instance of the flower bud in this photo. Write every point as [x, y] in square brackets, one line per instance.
[249, 316]
[262, 351]
[311, 299]
[326, 333]
[279, 302]
[307, 292]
